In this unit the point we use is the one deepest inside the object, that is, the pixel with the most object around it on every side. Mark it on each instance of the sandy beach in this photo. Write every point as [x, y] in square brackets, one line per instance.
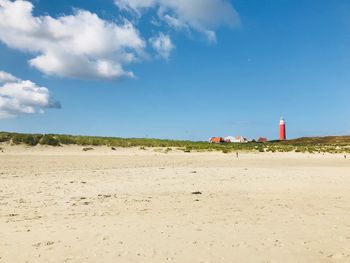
[130, 205]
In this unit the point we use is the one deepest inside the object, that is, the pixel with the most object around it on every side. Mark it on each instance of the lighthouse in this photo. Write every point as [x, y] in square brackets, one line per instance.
[282, 130]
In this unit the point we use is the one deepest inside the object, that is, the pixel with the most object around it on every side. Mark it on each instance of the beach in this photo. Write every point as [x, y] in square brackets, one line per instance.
[63, 204]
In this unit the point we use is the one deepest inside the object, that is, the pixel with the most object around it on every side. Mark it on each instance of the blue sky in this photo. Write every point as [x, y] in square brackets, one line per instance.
[280, 58]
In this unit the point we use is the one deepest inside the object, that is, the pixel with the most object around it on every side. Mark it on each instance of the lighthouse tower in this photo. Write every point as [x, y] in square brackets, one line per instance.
[282, 130]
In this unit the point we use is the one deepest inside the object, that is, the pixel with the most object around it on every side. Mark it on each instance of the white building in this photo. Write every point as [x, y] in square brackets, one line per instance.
[235, 139]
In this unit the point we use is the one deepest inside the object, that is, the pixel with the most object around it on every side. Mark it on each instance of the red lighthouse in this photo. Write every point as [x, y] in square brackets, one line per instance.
[282, 130]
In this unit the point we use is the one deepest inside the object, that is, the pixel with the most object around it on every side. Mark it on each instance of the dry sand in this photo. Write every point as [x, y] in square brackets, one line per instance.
[66, 205]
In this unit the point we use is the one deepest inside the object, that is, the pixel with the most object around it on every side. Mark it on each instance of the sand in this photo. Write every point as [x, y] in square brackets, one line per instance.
[130, 205]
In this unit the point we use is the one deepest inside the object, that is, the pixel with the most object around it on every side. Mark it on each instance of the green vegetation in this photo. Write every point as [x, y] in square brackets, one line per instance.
[49, 140]
[328, 140]
[88, 149]
[303, 145]
[29, 139]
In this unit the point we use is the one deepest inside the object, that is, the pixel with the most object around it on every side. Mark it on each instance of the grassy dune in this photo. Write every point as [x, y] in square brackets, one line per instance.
[328, 140]
[332, 144]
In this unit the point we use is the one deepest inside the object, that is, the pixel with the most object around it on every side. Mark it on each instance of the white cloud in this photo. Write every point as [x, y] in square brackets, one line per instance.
[22, 97]
[163, 45]
[6, 77]
[201, 15]
[135, 5]
[80, 45]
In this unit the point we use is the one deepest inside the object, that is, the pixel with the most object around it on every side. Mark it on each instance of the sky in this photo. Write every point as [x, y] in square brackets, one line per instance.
[175, 69]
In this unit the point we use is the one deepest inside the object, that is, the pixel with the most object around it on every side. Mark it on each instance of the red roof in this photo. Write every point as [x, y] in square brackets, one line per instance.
[216, 139]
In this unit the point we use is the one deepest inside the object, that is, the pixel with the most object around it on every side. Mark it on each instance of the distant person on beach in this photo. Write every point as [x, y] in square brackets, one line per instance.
[237, 155]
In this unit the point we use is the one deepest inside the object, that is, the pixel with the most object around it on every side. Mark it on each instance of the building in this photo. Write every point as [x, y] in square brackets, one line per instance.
[235, 139]
[216, 140]
[283, 135]
[262, 139]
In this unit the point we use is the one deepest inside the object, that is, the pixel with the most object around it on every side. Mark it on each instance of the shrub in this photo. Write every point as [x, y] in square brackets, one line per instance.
[66, 139]
[4, 137]
[49, 140]
[187, 149]
[87, 149]
[167, 150]
[30, 140]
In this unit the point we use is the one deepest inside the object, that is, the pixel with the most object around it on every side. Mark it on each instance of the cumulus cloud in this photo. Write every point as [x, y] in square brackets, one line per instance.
[22, 97]
[80, 45]
[163, 45]
[6, 77]
[200, 15]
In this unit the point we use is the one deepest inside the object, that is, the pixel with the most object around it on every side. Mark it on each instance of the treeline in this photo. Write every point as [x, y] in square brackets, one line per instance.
[299, 145]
